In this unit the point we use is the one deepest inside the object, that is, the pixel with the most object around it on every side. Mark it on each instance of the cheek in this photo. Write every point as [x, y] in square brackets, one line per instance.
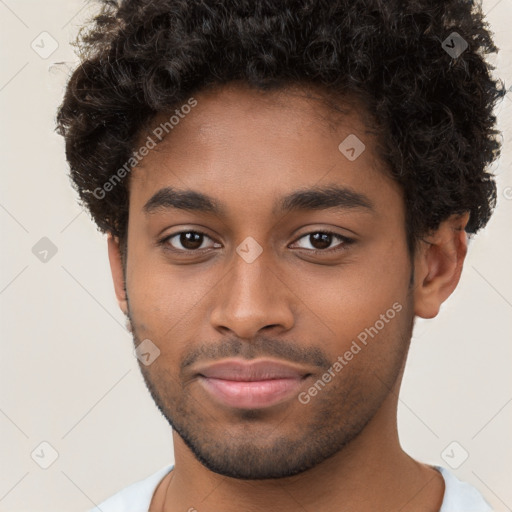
[347, 300]
[164, 300]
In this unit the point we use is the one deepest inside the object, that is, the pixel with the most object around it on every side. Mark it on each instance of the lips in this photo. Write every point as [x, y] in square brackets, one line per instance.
[258, 384]
[238, 370]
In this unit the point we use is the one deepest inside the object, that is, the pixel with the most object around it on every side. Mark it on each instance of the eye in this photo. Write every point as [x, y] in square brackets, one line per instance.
[189, 240]
[319, 241]
[194, 241]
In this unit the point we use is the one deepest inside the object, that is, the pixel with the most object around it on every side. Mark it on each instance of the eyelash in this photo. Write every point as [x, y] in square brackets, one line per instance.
[342, 246]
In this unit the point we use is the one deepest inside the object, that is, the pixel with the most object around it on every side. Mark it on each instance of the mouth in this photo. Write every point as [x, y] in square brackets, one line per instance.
[254, 385]
[251, 394]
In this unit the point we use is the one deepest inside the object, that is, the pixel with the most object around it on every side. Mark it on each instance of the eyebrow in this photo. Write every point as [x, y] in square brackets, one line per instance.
[316, 198]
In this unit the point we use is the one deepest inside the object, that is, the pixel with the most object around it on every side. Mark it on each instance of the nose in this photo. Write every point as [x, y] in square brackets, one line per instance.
[252, 297]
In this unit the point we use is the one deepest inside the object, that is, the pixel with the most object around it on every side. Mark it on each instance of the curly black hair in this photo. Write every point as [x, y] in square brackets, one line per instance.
[433, 108]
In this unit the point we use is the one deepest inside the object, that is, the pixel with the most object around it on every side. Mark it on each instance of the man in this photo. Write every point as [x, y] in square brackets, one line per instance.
[285, 186]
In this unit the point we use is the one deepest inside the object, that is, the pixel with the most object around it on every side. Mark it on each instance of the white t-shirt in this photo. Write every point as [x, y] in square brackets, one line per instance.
[458, 496]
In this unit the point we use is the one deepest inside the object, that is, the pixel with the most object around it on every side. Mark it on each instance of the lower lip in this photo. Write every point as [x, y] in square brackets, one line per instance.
[251, 394]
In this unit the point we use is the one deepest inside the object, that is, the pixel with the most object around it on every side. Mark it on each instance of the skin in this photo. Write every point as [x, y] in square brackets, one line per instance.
[340, 451]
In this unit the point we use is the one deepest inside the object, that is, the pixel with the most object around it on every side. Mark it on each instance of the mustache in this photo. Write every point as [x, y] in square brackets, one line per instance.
[258, 347]
[261, 346]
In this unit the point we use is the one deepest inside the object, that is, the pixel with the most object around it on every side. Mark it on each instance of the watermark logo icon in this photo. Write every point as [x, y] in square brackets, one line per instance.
[454, 455]
[351, 147]
[44, 455]
[44, 250]
[146, 352]
[454, 45]
[44, 45]
[249, 249]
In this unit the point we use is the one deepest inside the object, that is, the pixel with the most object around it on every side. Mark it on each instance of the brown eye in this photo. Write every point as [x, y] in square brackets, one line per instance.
[186, 240]
[322, 240]
[191, 240]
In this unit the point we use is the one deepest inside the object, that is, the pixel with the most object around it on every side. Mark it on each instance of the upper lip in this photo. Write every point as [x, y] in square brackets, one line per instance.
[262, 369]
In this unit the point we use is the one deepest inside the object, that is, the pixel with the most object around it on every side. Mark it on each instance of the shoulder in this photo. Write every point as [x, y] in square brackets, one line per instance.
[135, 497]
[461, 496]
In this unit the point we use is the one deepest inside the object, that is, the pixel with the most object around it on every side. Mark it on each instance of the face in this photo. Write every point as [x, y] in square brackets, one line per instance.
[297, 255]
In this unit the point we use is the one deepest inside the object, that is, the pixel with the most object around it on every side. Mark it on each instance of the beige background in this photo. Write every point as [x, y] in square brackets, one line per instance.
[68, 374]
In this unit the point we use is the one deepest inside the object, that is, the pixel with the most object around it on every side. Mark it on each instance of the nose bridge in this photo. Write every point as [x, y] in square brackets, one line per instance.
[249, 282]
[250, 277]
[250, 296]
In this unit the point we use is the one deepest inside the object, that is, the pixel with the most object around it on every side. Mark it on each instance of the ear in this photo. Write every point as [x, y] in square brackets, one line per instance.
[116, 267]
[438, 265]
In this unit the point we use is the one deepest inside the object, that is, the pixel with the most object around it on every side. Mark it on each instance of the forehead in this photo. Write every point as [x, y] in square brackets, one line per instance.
[242, 145]
[294, 110]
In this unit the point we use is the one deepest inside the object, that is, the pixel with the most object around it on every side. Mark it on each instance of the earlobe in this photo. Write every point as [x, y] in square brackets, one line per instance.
[438, 265]
[116, 268]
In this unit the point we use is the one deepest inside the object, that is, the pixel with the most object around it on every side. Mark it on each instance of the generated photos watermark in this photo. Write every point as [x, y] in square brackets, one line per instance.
[305, 396]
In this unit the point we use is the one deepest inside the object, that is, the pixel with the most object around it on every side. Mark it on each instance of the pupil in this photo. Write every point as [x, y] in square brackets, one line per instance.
[321, 240]
[191, 240]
